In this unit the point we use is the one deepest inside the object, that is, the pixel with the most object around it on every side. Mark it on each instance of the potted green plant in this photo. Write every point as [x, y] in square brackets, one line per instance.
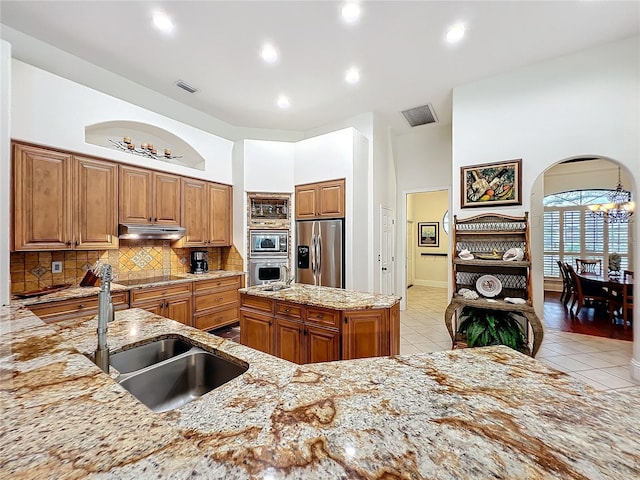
[484, 327]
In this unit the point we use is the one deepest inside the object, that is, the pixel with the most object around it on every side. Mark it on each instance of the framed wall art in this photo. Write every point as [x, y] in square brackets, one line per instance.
[428, 234]
[491, 184]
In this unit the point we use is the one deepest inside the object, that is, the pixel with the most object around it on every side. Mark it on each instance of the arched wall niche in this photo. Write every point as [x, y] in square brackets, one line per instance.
[104, 133]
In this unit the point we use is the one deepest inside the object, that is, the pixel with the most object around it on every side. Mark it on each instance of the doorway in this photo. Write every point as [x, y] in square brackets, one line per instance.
[426, 240]
[569, 230]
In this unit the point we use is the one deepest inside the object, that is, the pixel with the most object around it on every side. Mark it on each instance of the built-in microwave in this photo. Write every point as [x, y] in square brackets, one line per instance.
[267, 270]
[269, 243]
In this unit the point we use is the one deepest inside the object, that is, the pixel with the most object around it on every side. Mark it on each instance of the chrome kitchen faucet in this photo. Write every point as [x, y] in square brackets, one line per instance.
[105, 315]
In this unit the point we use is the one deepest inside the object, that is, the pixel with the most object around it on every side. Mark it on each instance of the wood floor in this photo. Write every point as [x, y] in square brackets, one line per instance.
[590, 321]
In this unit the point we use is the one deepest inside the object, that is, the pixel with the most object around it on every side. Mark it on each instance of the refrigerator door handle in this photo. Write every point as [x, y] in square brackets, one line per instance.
[313, 256]
[319, 261]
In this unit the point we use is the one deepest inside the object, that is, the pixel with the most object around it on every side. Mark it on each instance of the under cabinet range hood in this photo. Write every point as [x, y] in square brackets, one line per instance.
[131, 231]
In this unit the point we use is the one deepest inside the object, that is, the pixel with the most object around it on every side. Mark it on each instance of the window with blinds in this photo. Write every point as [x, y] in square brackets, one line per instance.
[571, 231]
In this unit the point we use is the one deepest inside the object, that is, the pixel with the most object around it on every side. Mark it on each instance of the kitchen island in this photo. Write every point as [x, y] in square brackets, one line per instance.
[309, 324]
[464, 414]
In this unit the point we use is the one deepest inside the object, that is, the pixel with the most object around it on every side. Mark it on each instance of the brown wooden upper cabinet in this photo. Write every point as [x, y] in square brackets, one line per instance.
[320, 200]
[206, 214]
[62, 201]
[149, 197]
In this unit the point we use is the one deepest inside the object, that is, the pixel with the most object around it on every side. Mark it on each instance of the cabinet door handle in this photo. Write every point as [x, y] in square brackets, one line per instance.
[319, 316]
[69, 243]
[346, 320]
[82, 305]
[305, 332]
[155, 219]
[286, 310]
[219, 299]
[77, 243]
[150, 220]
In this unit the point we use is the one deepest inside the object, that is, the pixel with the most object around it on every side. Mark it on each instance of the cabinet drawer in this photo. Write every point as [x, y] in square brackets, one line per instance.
[153, 293]
[119, 299]
[256, 303]
[224, 282]
[215, 299]
[66, 309]
[321, 316]
[290, 310]
[216, 319]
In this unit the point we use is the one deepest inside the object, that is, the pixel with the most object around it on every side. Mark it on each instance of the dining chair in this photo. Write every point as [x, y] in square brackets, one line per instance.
[567, 288]
[626, 274]
[593, 266]
[586, 291]
[622, 299]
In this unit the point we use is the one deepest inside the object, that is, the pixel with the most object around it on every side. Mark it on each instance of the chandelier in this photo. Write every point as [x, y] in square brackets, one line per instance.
[146, 149]
[620, 207]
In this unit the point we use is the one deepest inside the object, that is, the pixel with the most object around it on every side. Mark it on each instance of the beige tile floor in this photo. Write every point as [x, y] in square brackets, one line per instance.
[600, 362]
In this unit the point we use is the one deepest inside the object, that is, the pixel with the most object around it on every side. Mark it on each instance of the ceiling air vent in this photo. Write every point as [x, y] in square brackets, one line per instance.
[185, 86]
[420, 115]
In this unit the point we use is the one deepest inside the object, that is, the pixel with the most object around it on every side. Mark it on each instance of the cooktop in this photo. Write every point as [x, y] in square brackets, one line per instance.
[145, 280]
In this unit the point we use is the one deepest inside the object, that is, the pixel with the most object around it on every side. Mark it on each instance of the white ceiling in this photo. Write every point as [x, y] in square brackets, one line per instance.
[398, 45]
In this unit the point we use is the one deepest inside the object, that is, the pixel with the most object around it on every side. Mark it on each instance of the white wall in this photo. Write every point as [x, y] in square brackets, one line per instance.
[268, 166]
[585, 104]
[423, 163]
[5, 168]
[53, 111]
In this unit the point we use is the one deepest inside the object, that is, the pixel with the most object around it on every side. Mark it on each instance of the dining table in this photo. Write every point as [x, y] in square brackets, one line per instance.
[612, 283]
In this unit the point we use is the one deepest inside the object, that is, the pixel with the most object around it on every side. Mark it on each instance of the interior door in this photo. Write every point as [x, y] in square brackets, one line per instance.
[386, 250]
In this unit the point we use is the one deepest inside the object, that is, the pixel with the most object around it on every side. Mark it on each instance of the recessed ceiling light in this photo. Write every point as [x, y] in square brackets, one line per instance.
[283, 102]
[352, 76]
[455, 33]
[163, 22]
[350, 12]
[269, 53]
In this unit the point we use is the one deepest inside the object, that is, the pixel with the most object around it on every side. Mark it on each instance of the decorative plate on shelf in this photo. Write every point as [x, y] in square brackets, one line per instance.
[488, 286]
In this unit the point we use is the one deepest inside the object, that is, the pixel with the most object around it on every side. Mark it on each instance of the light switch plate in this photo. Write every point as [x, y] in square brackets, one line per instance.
[56, 267]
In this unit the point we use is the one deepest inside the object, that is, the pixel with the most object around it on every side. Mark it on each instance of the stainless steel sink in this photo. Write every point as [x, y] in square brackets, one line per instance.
[143, 356]
[178, 380]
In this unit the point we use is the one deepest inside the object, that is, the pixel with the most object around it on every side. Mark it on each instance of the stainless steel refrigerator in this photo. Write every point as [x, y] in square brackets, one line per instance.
[320, 252]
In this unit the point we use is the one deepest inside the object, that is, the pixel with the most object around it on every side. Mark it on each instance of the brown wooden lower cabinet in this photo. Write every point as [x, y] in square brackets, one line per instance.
[77, 307]
[310, 334]
[215, 302]
[256, 330]
[289, 340]
[322, 344]
[170, 301]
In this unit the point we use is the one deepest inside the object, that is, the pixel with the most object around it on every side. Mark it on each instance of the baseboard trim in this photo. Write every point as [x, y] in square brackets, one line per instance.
[430, 283]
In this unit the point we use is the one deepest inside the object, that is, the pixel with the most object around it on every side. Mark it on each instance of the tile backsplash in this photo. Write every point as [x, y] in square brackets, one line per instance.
[134, 259]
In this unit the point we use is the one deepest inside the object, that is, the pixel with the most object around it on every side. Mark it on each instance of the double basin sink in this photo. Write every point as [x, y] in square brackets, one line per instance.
[166, 374]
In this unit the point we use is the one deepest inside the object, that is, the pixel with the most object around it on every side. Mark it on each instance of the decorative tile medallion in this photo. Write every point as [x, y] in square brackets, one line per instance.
[141, 258]
[39, 271]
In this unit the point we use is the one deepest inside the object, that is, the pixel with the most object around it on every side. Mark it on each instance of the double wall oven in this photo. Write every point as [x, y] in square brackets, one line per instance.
[268, 256]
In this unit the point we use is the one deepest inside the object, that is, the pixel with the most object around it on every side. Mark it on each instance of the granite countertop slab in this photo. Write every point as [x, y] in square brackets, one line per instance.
[185, 277]
[463, 414]
[334, 298]
[66, 294]
[80, 292]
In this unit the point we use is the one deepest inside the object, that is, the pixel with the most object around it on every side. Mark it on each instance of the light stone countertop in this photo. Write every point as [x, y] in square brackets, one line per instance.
[81, 292]
[464, 414]
[334, 298]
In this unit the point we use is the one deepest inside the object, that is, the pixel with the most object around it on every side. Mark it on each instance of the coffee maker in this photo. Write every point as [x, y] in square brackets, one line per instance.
[199, 262]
